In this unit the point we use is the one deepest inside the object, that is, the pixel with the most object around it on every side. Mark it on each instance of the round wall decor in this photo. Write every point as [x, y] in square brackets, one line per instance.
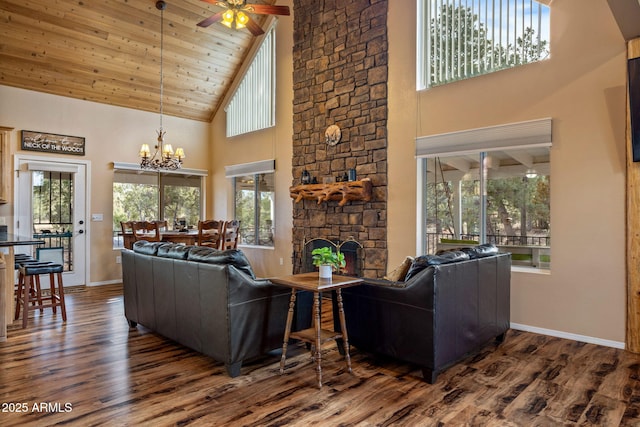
[332, 135]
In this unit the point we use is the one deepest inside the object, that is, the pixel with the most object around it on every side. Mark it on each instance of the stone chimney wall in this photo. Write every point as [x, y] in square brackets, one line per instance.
[340, 78]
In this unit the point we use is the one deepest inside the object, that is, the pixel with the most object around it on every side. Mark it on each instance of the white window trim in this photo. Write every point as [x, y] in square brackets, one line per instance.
[124, 166]
[532, 133]
[252, 168]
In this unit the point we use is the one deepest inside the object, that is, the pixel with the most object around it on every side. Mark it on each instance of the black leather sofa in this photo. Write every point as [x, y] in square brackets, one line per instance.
[207, 300]
[449, 306]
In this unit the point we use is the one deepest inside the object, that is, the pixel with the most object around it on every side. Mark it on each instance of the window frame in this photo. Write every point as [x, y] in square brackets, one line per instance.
[159, 179]
[497, 49]
[253, 168]
[246, 111]
[512, 136]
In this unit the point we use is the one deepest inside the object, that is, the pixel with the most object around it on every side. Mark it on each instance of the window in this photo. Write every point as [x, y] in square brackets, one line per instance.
[148, 196]
[485, 191]
[252, 106]
[254, 202]
[254, 208]
[458, 39]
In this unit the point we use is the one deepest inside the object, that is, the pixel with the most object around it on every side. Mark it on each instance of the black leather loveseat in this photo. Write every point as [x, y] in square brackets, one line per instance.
[450, 305]
[205, 299]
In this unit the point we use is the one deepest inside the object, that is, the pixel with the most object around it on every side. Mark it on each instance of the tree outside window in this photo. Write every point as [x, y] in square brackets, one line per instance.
[512, 198]
[254, 208]
[458, 39]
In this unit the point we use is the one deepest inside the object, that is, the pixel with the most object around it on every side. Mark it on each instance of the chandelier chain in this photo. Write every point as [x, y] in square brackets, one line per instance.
[163, 157]
[161, 65]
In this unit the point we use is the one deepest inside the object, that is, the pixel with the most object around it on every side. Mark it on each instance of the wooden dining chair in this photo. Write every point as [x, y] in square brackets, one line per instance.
[127, 234]
[162, 225]
[210, 233]
[230, 234]
[146, 230]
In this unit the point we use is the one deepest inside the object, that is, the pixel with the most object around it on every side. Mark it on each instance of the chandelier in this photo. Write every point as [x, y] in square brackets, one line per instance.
[163, 157]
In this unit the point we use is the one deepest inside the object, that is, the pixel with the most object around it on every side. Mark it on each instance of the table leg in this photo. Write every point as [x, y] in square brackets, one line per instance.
[318, 326]
[343, 327]
[287, 329]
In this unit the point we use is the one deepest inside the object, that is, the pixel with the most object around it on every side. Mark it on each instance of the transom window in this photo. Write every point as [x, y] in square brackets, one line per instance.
[252, 106]
[458, 39]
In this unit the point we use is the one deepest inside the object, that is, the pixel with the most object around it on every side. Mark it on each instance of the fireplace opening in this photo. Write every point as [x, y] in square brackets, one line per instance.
[352, 250]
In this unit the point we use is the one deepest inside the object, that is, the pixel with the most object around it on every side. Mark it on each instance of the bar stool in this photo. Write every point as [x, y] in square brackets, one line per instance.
[28, 271]
[35, 290]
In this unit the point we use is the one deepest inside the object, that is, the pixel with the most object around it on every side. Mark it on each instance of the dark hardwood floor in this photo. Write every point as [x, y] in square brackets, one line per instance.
[94, 370]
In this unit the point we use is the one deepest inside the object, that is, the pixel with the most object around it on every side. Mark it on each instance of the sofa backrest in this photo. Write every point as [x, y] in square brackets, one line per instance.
[203, 254]
[448, 256]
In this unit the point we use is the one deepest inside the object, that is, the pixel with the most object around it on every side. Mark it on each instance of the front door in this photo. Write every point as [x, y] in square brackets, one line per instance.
[50, 206]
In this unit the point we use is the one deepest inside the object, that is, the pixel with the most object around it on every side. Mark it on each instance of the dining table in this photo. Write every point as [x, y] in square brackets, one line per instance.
[188, 237]
[9, 241]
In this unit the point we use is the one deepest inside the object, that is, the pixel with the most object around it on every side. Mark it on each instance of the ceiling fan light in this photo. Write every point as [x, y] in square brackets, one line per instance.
[241, 20]
[227, 18]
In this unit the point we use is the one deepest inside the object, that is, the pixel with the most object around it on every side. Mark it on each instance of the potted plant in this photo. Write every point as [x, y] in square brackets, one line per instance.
[326, 260]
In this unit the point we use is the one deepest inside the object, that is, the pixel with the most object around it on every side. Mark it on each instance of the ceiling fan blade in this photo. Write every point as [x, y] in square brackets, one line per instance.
[265, 9]
[255, 29]
[218, 3]
[210, 20]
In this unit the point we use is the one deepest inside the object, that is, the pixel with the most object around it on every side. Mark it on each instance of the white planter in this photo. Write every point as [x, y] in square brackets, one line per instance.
[325, 271]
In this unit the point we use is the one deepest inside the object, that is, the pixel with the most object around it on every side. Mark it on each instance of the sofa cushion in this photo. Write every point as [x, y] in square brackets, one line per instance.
[400, 272]
[233, 257]
[174, 251]
[147, 248]
[424, 261]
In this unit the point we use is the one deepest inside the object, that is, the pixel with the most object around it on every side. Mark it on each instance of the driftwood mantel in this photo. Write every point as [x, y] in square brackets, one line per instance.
[342, 191]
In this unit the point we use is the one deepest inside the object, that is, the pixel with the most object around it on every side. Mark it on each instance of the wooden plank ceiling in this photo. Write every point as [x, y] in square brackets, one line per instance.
[108, 51]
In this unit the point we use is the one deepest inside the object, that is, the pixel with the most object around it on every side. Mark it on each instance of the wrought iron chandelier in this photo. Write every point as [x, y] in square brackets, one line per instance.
[166, 159]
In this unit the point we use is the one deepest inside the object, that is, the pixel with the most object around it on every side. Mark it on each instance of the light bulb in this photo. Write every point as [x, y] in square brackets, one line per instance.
[241, 20]
[227, 18]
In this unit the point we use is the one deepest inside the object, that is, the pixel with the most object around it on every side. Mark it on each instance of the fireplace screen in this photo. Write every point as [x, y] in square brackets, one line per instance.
[352, 250]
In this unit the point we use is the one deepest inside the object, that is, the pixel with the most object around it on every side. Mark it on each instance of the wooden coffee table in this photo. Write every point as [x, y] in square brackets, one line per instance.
[316, 335]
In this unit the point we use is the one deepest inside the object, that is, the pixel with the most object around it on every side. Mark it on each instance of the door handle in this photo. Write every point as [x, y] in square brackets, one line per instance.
[80, 231]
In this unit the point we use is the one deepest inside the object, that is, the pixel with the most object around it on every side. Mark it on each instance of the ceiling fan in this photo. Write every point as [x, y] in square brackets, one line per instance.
[235, 14]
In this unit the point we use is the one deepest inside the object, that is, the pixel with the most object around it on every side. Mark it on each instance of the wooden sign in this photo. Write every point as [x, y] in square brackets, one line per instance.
[52, 143]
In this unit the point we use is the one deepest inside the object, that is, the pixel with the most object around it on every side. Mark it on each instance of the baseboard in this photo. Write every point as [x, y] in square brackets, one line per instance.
[106, 282]
[569, 336]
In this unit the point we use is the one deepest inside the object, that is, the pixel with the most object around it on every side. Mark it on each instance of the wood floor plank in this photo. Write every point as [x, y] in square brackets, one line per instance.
[95, 370]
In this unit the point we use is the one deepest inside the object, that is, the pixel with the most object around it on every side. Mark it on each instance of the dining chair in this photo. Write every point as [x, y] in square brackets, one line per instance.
[127, 234]
[146, 230]
[210, 233]
[230, 234]
[162, 225]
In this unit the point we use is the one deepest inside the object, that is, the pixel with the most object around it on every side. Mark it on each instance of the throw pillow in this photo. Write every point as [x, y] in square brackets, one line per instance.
[398, 274]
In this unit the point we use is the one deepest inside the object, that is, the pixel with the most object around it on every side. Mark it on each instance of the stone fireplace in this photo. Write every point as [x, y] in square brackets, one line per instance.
[340, 78]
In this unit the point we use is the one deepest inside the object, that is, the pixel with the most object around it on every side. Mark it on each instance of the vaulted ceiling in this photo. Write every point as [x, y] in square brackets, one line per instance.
[108, 51]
